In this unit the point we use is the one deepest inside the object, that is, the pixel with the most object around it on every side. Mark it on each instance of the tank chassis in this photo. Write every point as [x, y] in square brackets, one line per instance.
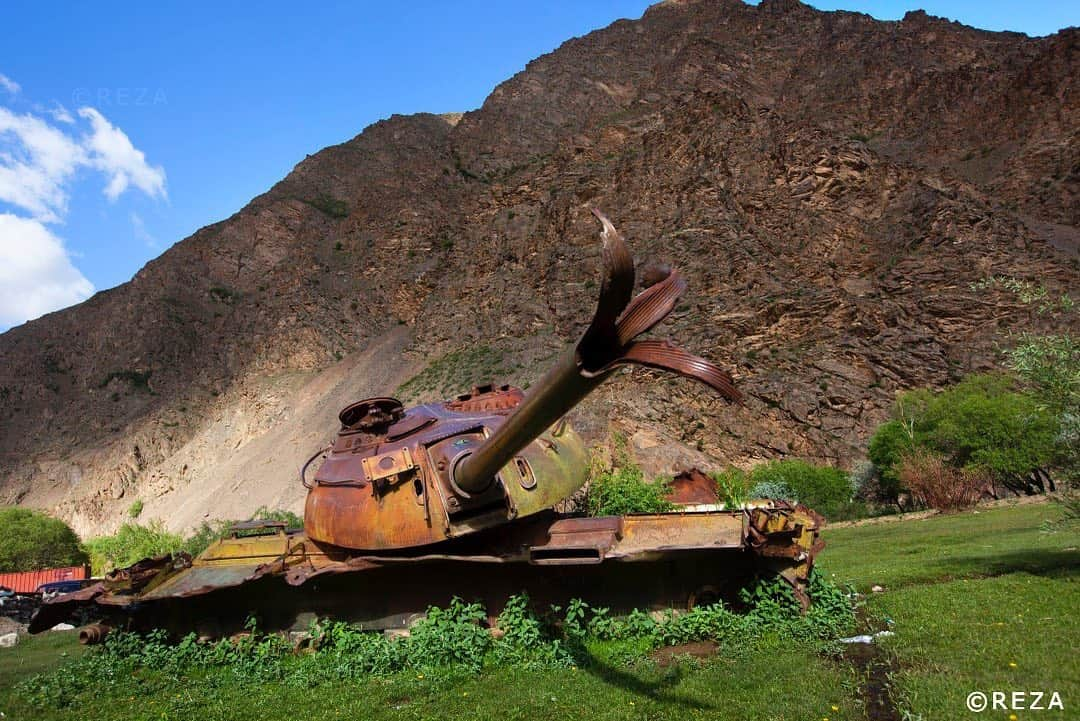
[410, 508]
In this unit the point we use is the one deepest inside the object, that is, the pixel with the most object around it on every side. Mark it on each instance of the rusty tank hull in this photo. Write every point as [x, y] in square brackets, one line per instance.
[408, 508]
[283, 579]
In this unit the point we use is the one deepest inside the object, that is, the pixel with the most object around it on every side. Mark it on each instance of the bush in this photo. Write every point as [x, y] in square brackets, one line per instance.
[825, 489]
[623, 491]
[131, 543]
[981, 423]
[934, 483]
[619, 488]
[33, 541]
[773, 490]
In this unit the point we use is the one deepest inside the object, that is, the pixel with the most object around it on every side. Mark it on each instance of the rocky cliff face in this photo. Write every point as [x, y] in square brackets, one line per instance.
[831, 186]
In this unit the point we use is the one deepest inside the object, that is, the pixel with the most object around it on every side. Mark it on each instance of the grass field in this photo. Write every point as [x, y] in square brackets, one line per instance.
[979, 601]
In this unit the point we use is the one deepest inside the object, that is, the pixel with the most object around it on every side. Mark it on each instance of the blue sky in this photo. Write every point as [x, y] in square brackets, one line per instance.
[126, 128]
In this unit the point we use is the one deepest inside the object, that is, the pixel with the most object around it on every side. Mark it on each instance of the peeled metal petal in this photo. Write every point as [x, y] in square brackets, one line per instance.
[661, 354]
[600, 341]
[650, 307]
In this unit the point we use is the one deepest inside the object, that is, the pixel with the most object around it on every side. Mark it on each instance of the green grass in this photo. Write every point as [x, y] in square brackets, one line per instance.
[35, 654]
[972, 544]
[743, 687]
[967, 595]
[965, 635]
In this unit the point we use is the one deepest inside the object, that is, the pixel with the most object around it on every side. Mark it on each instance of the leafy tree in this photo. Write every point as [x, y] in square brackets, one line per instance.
[982, 423]
[1050, 366]
[33, 540]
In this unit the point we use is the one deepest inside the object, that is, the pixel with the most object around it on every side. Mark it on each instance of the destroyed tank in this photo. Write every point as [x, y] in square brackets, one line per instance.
[409, 508]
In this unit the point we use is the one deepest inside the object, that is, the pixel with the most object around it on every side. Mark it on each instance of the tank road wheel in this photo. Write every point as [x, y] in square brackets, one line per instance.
[703, 596]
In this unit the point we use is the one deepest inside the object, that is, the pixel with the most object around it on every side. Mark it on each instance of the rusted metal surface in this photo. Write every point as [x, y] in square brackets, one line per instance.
[692, 488]
[396, 478]
[93, 634]
[29, 581]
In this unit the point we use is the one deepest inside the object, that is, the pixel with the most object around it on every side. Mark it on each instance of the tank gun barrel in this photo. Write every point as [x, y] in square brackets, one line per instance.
[609, 342]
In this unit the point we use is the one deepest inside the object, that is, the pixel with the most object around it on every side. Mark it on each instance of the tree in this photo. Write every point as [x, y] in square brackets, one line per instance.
[33, 541]
[1050, 366]
[890, 443]
[982, 423]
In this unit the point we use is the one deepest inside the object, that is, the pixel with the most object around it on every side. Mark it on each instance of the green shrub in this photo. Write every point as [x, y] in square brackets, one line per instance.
[825, 489]
[618, 487]
[621, 491]
[981, 423]
[32, 540]
[210, 531]
[205, 534]
[135, 509]
[132, 542]
[732, 487]
[328, 205]
[139, 380]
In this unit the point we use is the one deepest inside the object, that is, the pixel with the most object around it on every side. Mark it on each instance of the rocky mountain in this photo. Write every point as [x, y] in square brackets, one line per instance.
[835, 188]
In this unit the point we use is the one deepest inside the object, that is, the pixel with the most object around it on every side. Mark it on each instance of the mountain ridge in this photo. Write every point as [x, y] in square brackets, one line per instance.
[831, 185]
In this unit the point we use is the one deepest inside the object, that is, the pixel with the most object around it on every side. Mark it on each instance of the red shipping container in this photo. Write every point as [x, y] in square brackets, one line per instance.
[28, 581]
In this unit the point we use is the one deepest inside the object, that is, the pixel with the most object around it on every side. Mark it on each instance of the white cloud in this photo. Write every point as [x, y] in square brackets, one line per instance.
[39, 160]
[36, 161]
[61, 114]
[139, 228]
[36, 274]
[112, 153]
[9, 85]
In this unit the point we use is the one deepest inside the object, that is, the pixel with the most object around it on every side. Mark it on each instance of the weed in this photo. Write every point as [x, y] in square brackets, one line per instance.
[445, 644]
[731, 487]
[459, 370]
[620, 488]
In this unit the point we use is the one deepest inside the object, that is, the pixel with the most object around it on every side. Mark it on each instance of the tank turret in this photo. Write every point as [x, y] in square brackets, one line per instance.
[397, 478]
